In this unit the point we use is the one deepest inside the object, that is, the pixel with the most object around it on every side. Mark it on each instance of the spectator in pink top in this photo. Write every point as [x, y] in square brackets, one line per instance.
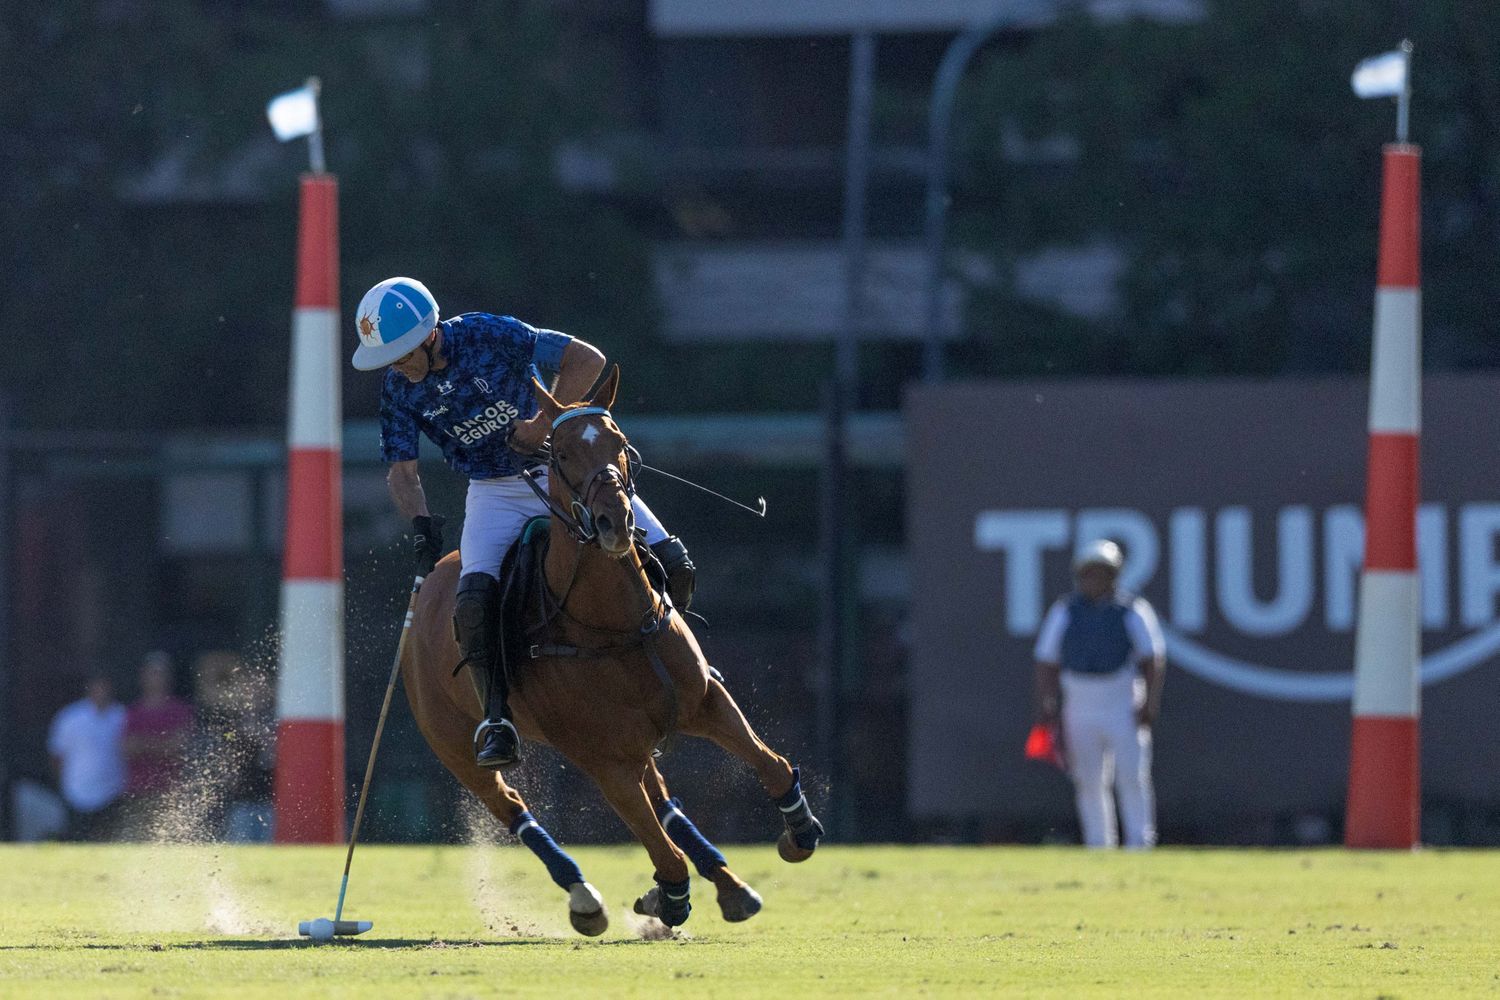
[157, 727]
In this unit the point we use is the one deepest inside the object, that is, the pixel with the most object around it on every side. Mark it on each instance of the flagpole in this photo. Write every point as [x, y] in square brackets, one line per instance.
[1403, 100]
[308, 797]
[1384, 804]
[315, 140]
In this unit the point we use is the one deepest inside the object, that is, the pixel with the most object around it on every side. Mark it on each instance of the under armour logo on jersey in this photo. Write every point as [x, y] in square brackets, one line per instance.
[484, 386]
[444, 388]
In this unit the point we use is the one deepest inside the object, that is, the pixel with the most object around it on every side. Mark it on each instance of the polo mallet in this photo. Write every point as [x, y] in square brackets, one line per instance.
[324, 929]
[759, 510]
[544, 453]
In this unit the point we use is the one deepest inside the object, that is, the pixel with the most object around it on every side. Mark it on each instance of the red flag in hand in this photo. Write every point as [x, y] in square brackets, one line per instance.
[1042, 745]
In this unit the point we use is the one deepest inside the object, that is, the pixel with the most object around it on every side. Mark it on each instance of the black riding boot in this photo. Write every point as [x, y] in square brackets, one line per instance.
[681, 573]
[476, 626]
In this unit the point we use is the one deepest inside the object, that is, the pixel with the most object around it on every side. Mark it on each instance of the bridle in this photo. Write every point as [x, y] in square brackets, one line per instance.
[578, 518]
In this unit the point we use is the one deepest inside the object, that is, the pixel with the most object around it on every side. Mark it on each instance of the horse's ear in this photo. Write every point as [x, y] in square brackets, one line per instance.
[605, 395]
[546, 405]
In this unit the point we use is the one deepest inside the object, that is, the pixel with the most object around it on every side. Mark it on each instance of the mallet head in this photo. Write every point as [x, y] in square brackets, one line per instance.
[324, 929]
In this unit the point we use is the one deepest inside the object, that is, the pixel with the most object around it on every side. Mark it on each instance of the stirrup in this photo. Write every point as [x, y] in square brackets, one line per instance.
[497, 745]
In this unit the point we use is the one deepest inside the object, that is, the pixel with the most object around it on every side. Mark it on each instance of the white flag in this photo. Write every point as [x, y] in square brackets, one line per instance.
[1381, 76]
[294, 114]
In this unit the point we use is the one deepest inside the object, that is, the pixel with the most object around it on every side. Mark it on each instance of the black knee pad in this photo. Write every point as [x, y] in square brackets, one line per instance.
[682, 575]
[475, 608]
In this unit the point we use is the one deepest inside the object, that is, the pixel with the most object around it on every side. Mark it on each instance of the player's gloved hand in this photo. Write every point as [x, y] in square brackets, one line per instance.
[426, 542]
[528, 436]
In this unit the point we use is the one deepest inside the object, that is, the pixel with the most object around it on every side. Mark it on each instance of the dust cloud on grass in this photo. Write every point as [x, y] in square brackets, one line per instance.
[184, 878]
[494, 884]
[508, 886]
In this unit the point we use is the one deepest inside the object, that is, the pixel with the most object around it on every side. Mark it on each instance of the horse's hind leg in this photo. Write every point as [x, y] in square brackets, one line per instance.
[585, 906]
[720, 719]
[737, 901]
[623, 787]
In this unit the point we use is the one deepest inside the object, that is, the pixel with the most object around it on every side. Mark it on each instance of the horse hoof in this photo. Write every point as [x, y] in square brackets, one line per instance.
[788, 849]
[649, 905]
[739, 903]
[589, 924]
[672, 912]
[586, 910]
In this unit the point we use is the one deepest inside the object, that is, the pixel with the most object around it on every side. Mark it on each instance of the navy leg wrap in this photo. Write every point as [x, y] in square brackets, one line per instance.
[704, 855]
[793, 801]
[563, 869]
[804, 827]
[675, 905]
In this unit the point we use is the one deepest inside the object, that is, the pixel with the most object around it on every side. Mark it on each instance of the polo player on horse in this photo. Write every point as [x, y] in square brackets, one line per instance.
[466, 383]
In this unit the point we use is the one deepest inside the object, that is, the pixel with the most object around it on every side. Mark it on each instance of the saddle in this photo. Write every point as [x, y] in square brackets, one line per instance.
[522, 588]
[524, 610]
[527, 610]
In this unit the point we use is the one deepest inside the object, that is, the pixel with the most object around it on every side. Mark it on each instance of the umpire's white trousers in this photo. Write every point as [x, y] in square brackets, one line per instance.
[1109, 754]
[496, 510]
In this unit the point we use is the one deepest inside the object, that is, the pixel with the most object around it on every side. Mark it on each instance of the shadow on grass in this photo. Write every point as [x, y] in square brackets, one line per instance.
[283, 944]
[287, 944]
[393, 944]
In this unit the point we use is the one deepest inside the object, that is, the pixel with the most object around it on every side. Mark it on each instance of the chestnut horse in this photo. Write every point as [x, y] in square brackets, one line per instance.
[619, 670]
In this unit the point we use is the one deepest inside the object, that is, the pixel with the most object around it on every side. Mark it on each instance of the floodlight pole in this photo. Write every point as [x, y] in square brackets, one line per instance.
[838, 625]
[939, 124]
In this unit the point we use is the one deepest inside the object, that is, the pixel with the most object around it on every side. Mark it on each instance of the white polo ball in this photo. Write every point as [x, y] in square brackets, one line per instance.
[321, 929]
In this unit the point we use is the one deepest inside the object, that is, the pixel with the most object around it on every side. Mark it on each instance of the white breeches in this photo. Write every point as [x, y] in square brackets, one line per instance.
[1109, 755]
[496, 510]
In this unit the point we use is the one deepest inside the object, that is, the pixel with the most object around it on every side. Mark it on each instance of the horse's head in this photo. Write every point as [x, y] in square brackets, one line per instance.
[591, 460]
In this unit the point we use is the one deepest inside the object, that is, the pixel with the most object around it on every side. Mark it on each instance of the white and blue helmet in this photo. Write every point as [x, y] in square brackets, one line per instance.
[394, 317]
[1099, 553]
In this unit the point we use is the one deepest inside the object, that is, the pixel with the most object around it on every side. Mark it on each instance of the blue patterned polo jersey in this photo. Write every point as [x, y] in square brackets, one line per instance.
[467, 408]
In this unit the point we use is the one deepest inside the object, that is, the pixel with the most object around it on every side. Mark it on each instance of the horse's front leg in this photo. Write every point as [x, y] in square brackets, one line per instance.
[585, 906]
[720, 719]
[623, 788]
[737, 901]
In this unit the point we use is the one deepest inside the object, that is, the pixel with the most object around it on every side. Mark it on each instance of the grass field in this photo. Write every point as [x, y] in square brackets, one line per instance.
[473, 921]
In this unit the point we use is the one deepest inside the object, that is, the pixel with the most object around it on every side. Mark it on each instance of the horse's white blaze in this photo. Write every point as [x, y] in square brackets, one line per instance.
[590, 434]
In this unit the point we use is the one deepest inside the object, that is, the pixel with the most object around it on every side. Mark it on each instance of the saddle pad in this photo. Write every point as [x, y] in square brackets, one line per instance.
[520, 575]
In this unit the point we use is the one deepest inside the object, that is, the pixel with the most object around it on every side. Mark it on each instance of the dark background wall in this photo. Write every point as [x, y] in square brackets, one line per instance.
[1231, 763]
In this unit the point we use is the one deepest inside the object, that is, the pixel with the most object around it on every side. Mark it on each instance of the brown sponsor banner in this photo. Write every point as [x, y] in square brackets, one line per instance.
[1240, 506]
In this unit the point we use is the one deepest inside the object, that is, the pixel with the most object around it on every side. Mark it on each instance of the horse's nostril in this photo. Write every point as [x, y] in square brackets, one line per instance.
[605, 522]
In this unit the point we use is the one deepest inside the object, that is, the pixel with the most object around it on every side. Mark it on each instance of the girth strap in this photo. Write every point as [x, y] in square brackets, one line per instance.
[647, 641]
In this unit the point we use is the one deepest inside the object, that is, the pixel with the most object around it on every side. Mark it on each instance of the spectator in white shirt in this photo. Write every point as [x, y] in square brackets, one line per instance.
[85, 742]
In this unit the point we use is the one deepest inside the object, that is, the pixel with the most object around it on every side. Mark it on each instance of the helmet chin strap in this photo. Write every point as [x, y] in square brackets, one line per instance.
[427, 350]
